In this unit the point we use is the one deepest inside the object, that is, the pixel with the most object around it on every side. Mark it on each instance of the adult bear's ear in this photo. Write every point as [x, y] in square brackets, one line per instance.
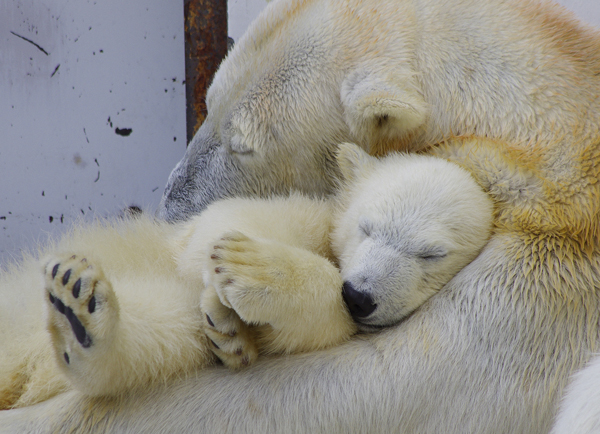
[381, 111]
[354, 162]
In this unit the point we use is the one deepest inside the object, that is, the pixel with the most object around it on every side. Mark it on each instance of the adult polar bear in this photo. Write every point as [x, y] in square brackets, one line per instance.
[491, 352]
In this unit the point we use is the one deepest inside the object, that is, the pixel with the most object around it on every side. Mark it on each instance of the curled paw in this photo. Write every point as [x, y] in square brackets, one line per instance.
[248, 274]
[82, 308]
[230, 338]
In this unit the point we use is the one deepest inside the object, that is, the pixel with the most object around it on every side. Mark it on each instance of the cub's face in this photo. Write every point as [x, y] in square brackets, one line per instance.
[406, 226]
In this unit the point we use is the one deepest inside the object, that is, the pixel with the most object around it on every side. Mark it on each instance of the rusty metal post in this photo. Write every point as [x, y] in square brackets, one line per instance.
[205, 47]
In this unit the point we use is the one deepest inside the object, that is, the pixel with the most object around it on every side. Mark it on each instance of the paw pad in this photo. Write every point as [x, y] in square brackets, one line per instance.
[66, 276]
[70, 292]
[77, 288]
[55, 270]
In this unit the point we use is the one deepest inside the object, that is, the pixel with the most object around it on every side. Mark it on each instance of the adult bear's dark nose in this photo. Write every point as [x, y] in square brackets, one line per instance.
[360, 304]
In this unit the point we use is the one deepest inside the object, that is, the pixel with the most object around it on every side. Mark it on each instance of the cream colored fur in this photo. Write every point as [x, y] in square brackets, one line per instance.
[113, 331]
[148, 328]
[493, 351]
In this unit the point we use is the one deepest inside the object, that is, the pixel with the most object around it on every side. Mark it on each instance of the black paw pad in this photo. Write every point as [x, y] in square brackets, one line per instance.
[209, 321]
[51, 297]
[92, 305]
[78, 329]
[213, 342]
[59, 305]
[66, 276]
[77, 288]
[55, 270]
[66, 356]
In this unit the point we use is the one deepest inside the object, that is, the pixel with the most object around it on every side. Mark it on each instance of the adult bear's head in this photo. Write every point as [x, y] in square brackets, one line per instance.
[293, 88]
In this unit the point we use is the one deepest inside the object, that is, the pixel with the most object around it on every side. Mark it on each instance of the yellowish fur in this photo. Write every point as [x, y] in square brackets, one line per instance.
[123, 249]
[148, 279]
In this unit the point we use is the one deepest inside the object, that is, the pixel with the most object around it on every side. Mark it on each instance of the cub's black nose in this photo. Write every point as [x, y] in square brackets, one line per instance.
[360, 304]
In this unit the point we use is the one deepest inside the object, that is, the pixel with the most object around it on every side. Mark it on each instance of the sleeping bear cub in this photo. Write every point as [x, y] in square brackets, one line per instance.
[139, 302]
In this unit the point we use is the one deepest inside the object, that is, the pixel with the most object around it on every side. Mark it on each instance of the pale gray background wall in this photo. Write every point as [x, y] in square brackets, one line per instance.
[74, 74]
[71, 73]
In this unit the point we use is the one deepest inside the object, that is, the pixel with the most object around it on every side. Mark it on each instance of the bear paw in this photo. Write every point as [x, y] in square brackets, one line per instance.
[251, 276]
[82, 310]
[231, 339]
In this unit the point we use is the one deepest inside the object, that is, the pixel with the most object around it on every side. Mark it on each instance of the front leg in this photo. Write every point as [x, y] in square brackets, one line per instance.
[297, 293]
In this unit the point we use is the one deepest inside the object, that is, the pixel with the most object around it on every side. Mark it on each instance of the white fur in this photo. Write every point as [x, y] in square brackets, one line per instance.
[494, 349]
[387, 75]
[401, 238]
[114, 332]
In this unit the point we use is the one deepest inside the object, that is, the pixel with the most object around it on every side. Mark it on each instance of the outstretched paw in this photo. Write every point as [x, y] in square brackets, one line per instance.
[232, 340]
[82, 310]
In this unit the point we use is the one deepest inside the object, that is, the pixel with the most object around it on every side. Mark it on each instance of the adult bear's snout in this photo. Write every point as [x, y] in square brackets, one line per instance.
[360, 304]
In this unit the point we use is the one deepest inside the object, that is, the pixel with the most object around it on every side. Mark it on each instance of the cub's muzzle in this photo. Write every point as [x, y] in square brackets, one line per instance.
[360, 304]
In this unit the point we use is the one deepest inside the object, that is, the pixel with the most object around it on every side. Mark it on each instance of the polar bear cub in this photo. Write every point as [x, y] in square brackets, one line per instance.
[141, 302]
[405, 226]
[400, 229]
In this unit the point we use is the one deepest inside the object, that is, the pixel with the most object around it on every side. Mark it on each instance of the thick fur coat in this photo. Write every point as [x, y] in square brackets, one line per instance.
[493, 351]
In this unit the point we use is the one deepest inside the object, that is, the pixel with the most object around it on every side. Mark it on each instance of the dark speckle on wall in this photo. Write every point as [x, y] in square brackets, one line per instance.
[31, 42]
[97, 164]
[123, 131]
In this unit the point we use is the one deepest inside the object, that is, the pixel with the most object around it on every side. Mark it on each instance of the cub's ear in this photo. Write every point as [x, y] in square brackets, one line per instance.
[354, 162]
[380, 111]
